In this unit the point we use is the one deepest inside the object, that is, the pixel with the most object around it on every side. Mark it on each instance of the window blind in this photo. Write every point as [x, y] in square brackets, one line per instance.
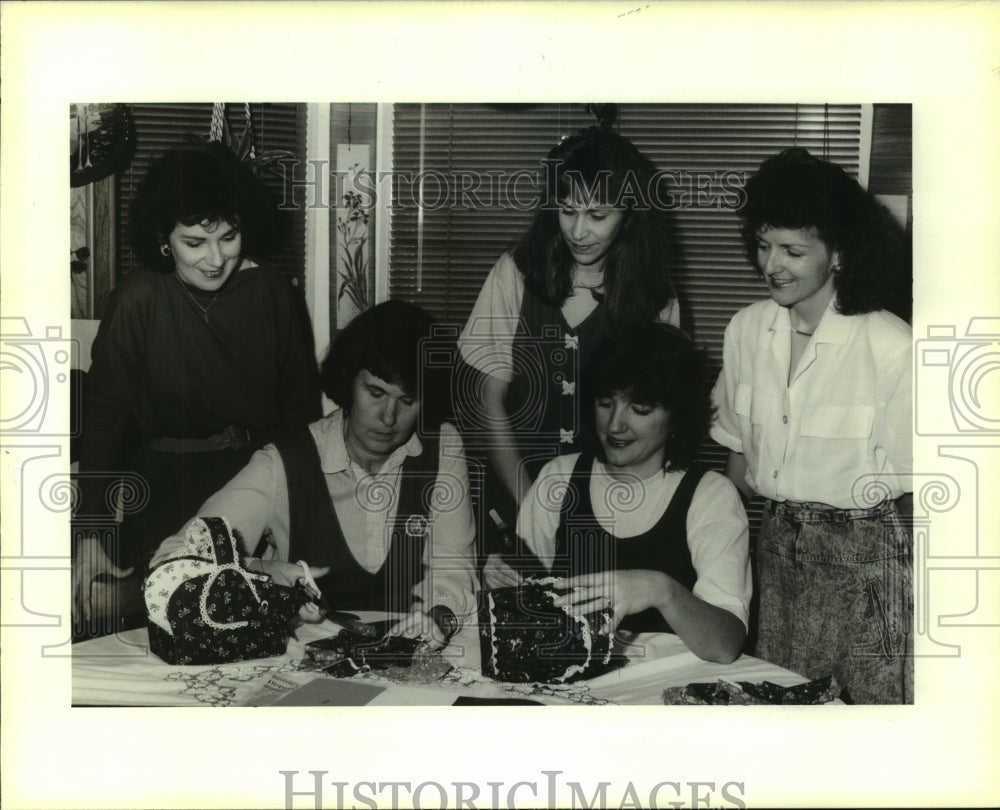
[441, 252]
[159, 127]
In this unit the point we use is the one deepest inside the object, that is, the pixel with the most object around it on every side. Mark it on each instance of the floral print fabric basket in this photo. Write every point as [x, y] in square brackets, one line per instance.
[205, 607]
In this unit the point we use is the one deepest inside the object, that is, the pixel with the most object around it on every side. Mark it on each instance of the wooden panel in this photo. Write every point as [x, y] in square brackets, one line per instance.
[104, 250]
[891, 168]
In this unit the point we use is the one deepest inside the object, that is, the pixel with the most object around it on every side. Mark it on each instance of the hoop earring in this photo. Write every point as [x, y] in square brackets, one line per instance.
[164, 249]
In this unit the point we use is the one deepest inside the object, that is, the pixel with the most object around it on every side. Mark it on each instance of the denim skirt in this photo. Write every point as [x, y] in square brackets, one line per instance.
[836, 597]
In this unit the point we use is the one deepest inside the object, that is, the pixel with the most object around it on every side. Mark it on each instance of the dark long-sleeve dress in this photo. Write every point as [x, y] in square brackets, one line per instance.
[182, 366]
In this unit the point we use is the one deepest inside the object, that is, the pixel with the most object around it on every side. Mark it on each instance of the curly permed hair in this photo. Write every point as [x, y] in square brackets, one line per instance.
[796, 190]
[202, 183]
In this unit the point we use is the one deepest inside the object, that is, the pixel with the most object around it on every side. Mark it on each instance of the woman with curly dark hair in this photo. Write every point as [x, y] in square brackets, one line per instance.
[595, 255]
[638, 524]
[206, 351]
[814, 404]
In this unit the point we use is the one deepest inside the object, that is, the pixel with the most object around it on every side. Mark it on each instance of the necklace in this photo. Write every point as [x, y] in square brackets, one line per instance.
[193, 300]
[596, 290]
[596, 278]
[800, 331]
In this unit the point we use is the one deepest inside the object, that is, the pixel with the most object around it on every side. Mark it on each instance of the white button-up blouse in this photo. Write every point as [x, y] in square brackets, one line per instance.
[839, 430]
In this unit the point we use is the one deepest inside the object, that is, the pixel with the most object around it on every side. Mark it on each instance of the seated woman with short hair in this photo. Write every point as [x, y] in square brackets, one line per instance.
[375, 496]
[638, 524]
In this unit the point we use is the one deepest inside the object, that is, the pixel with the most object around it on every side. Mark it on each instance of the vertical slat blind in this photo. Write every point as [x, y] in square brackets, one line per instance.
[711, 147]
[159, 127]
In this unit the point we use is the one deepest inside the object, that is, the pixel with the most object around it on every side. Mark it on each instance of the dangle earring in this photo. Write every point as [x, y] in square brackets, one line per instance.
[164, 249]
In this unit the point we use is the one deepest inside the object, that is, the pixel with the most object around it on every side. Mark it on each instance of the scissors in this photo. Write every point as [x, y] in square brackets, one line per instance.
[349, 620]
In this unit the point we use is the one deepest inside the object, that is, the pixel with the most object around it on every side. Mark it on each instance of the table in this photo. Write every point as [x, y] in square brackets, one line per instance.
[119, 670]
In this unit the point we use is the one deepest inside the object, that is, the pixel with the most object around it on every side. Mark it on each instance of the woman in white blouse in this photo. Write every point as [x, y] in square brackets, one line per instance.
[814, 403]
[638, 525]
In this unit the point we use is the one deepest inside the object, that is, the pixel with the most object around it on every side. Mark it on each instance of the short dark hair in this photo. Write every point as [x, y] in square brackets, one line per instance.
[637, 278]
[796, 190]
[389, 341]
[657, 364]
[195, 184]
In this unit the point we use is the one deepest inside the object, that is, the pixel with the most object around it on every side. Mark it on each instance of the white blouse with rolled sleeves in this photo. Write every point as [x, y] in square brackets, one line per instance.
[840, 431]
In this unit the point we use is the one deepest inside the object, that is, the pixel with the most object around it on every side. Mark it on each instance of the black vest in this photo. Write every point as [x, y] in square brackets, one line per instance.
[316, 536]
[548, 353]
[583, 546]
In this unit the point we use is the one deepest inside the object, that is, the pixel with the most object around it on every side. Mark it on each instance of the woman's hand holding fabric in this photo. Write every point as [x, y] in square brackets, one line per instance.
[628, 591]
[291, 574]
[420, 624]
[498, 574]
[283, 572]
[710, 632]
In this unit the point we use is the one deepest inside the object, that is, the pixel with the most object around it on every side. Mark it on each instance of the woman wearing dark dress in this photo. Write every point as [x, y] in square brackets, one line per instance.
[207, 353]
[638, 525]
[595, 255]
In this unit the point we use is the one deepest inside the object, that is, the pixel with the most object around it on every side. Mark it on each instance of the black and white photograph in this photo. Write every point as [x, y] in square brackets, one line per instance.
[543, 327]
[571, 425]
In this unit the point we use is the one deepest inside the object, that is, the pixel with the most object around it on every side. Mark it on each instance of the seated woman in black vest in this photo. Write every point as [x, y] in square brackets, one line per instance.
[375, 496]
[638, 524]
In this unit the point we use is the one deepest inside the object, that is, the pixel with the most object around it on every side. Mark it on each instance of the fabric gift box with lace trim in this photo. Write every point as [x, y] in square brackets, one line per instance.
[524, 638]
[205, 607]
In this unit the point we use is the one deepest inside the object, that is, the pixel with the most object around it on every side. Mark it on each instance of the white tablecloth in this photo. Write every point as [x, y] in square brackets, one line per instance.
[119, 670]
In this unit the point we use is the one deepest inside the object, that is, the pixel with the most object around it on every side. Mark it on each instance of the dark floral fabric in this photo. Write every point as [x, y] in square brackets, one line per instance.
[216, 610]
[524, 638]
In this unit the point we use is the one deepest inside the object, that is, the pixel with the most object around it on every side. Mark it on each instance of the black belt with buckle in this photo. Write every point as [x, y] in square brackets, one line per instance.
[233, 437]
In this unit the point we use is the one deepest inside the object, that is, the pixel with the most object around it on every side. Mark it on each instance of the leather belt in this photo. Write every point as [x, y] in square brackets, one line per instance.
[824, 513]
